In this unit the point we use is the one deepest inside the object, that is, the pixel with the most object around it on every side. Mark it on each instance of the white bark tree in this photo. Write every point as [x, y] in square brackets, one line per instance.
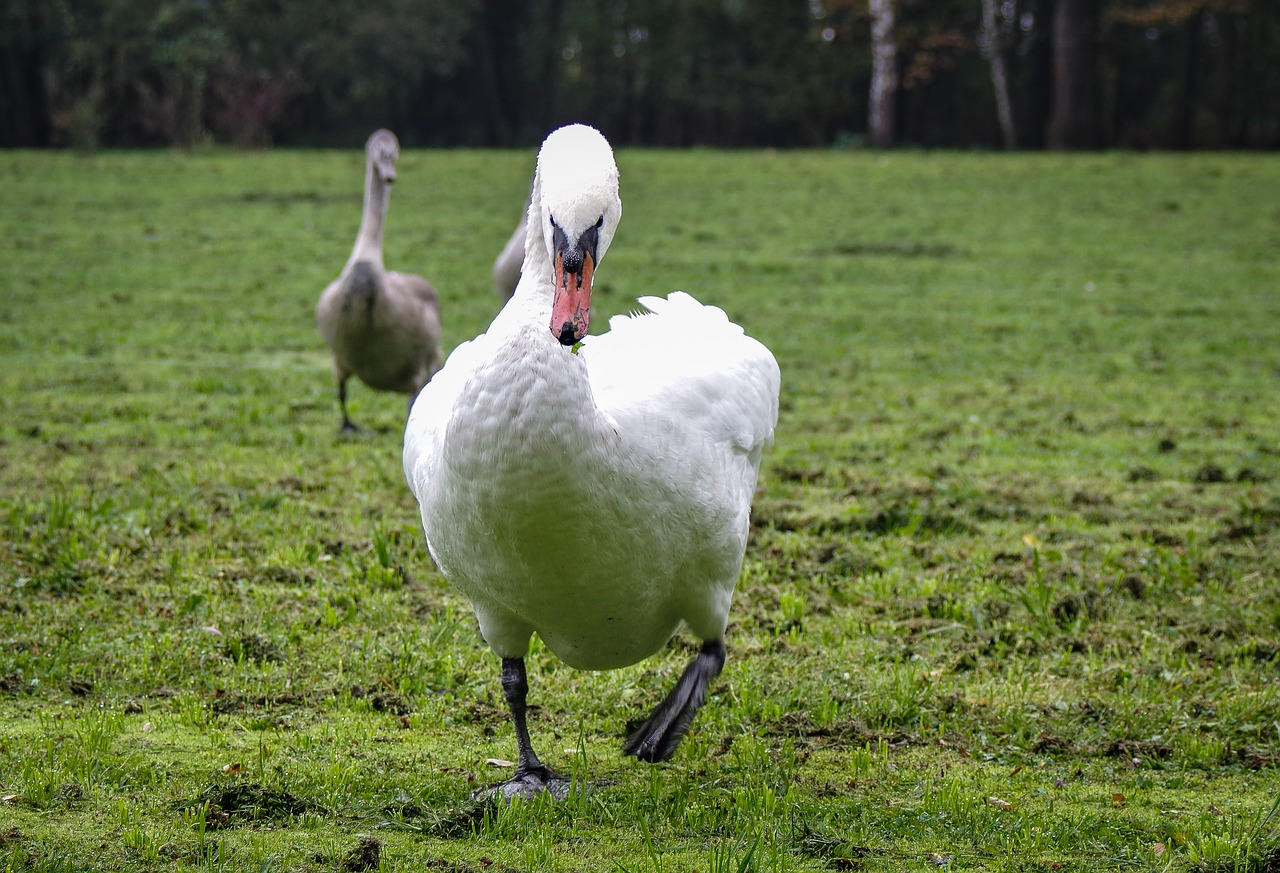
[992, 44]
[884, 75]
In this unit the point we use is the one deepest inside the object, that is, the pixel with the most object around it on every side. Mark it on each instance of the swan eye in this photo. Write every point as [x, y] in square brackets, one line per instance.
[600, 223]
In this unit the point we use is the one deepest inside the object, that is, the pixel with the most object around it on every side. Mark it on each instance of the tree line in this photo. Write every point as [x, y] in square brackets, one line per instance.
[1066, 74]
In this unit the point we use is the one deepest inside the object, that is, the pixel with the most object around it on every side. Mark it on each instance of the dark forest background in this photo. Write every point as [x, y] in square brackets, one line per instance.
[1067, 74]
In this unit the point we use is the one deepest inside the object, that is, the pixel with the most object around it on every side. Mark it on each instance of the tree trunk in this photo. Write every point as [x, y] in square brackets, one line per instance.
[495, 115]
[1186, 134]
[993, 50]
[22, 111]
[1072, 120]
[884, 75]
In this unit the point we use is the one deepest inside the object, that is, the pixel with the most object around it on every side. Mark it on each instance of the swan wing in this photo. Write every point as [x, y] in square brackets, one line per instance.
[415, 287]
[432, 410]
[685, 364]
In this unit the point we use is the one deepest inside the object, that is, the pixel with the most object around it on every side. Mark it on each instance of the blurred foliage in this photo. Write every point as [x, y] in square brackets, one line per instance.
[85, 73]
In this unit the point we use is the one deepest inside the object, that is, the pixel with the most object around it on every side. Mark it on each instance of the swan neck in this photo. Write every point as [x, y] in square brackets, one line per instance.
[537, 260]
[369, 240]
[530, 304]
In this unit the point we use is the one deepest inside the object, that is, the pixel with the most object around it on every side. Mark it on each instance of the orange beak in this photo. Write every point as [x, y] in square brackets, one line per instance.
[571, 303]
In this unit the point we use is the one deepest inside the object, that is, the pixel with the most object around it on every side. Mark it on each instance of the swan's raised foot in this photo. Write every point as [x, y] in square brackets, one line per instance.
[657, 738]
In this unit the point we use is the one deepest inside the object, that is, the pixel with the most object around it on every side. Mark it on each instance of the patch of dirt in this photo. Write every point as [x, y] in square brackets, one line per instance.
[907, 515]
[909, 249]
[382, 701]
[459, 823]
[180, 523]
[286, 198]
[837, 853]
[1090, 604]
[1047, 744]
[1001, 642]
[224, 703]
[1135, 585]
[365, 856]
[1262, 652]
[296, 486]
[799, 726]
[286, 575]
[1270, 862]
[1093, 711]
[249, 801]
[1136, 750]
[1251, 522]
[807, 475]
[1165, 538]
[255, 648]
[913, 520]
[1210, 474]
[1257, 759]
[70, 794]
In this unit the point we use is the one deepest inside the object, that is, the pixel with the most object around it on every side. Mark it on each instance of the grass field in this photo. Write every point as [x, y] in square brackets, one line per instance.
[1010, 602]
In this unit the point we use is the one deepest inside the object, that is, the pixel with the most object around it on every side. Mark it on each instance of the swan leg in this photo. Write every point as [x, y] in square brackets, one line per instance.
[662, 731]
[348, 426]
[532, 777]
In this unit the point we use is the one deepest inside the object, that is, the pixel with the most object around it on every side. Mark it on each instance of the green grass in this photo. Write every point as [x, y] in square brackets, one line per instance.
[1011, 600]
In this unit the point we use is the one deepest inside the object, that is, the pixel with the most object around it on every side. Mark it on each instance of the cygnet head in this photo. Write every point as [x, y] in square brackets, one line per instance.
[580, 210]
[383, 149]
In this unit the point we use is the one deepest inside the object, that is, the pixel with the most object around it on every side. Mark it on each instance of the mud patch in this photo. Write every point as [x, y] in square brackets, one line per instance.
[798, 726]
[906, 249]
[365, 856]
[255, 648]
[1251, 522]
[382, 701]
[224, 703]
[460, 823]
[226, 805]
[1047, 744]
[1135, 751]
[1210, 474]
[1090, 604]
[828, 847]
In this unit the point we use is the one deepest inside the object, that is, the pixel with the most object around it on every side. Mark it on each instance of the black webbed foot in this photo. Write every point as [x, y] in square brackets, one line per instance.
[526, 784]
[657, 738]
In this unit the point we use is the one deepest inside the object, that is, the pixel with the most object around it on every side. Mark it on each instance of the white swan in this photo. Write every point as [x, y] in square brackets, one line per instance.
[595, 494]
[382, 327]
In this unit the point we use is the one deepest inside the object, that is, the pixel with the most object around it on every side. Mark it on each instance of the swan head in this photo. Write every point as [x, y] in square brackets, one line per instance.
[382, 149]
[580, 210]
